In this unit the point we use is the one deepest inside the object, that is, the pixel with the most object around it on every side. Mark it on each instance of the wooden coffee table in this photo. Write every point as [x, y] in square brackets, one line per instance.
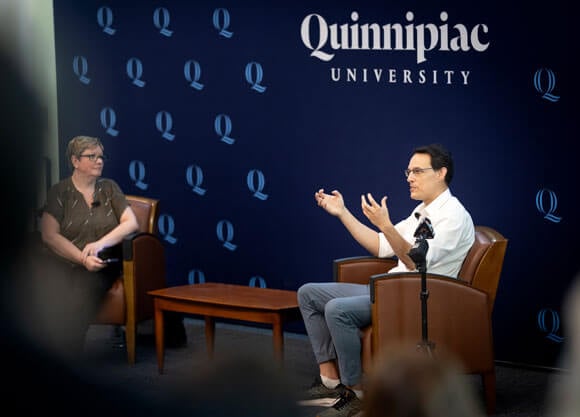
[229, 301]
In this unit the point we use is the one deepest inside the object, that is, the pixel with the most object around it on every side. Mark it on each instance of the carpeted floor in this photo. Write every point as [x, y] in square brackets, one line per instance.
[243, 379]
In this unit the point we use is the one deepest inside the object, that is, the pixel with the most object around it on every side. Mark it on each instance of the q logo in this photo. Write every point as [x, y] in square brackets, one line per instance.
[224, 132]
[255, 81]
[135, 71]
[161, 21]
[105, 20]
[547, 91]
[555, 321]
[251, 181]
[137, 174]
[548, 215]
[261, 282]
[193, 81]
[194, 178]
[108, 121]
[195, 275]
[164, 123]
[221, 21]
[166, 227]
[225, 234]
[80, 68]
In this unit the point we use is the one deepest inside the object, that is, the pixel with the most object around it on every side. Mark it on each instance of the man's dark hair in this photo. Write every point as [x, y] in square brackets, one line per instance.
[440, 157]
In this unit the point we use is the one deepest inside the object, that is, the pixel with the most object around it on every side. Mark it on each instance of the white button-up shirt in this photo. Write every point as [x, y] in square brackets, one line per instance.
[454, 235]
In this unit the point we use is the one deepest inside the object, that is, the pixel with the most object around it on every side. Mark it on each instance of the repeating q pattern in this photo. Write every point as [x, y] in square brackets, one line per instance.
[233, 115]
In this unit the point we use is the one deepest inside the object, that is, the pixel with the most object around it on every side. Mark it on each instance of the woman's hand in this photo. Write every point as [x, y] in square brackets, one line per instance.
[92, 248]
[93, 263]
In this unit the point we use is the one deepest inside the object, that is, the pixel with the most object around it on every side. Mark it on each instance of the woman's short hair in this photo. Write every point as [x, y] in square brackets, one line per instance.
[79, 144]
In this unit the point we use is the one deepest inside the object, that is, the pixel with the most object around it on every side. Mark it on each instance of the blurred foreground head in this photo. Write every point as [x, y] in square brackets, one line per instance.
[22, 125]
[406, 382]
[563, 399]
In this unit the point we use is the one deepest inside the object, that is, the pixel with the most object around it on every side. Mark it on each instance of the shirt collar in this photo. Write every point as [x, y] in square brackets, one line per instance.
[435, 205]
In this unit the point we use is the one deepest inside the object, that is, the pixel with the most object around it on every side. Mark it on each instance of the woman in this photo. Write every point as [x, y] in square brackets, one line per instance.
[84, 214]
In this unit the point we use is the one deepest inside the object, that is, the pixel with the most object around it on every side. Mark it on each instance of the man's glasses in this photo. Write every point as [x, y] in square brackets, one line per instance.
[415, 171]
[93, 157]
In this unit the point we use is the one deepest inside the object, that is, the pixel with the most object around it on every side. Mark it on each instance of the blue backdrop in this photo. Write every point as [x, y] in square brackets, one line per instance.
[233, 115]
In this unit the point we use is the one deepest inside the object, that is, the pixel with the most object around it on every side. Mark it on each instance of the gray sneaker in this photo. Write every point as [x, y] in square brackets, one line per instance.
[319, 395]
[348, 405]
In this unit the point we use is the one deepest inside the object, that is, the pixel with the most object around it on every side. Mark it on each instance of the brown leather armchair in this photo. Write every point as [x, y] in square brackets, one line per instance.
[127, 302]
[459, 311]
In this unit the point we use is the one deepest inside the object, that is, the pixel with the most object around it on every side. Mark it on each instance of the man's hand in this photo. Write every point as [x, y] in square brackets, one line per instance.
[333, 203]
[377, 214]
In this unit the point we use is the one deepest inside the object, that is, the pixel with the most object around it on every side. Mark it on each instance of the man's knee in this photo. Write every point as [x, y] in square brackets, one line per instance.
[334, 309]
[304, 293]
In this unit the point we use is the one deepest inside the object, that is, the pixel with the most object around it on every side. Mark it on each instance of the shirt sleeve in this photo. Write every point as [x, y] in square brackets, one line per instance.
[112, 195]
[56, 197]
[453, 238]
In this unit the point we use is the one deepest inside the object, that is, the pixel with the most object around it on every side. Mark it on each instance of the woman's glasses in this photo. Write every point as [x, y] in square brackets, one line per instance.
[93, 157]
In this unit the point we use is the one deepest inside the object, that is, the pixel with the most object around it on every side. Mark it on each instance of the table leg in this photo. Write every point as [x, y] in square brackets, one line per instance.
[278, 339]
[159, 337]
[210, 335]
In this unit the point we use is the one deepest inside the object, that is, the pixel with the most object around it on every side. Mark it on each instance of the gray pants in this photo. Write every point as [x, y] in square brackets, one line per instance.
[333, 315]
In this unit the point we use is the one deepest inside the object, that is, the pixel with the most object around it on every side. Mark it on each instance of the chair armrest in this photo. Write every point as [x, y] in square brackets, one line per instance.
[386, 275]
[143, 271]
[359, 269]
[133, 239]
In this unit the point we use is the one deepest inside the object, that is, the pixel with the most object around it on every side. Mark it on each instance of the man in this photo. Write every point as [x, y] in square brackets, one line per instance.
[333, 312]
